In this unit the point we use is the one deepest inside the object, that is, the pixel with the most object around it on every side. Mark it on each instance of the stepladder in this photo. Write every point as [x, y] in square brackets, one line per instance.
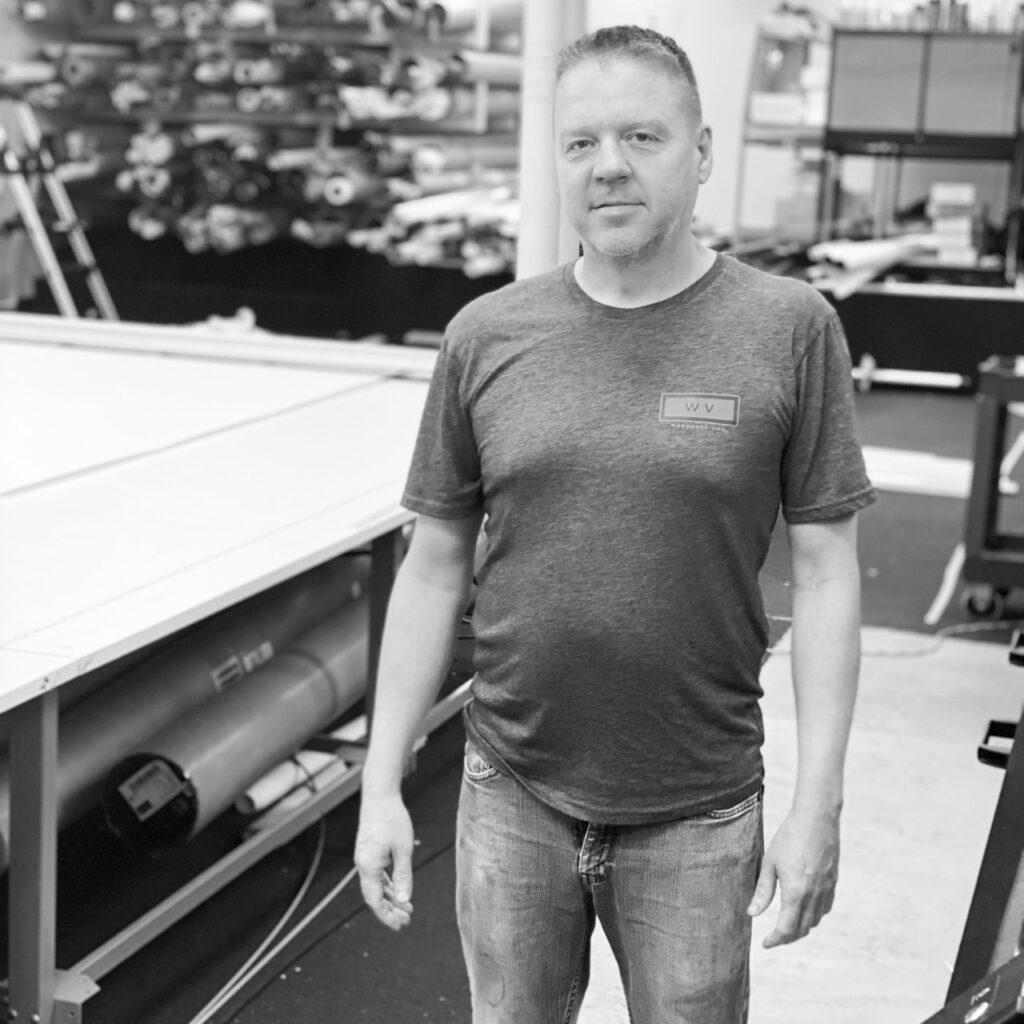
[45, 211]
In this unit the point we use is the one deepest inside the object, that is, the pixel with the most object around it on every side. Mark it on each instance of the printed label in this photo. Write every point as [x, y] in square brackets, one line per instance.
[150, 789]
[721, 410]
[229, 671]
[252, 660]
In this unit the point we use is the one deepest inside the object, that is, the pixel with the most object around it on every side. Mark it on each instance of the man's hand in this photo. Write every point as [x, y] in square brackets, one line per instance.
[384, 858]
[803, 859]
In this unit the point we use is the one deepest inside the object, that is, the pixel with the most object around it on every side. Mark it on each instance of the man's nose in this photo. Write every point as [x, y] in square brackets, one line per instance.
[611, 163]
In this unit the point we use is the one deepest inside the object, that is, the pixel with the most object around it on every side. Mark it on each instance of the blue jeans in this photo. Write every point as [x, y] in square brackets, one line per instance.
[671, 899]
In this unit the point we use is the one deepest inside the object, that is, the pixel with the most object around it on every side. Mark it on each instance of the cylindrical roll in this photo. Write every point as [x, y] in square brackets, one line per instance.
[432, 154]
[299, 770]
[248, 14]
[310, 156]
[299, 796]
[440, 207]
[193, 770]
[453, 180]
[321, 232]
[259, 71]
[112, 722]
[16, 74]
[493, 68]
[344, 188]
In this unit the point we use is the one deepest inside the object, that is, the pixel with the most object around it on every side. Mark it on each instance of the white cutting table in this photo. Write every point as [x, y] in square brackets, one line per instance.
[150, 477]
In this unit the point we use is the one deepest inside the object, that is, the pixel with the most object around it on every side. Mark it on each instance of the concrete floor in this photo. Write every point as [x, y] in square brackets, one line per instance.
[918, 810]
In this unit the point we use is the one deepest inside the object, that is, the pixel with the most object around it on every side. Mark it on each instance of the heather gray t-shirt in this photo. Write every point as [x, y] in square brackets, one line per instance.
[632, 464]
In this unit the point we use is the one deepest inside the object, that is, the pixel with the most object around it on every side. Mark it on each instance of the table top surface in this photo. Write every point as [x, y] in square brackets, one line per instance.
[159, 475]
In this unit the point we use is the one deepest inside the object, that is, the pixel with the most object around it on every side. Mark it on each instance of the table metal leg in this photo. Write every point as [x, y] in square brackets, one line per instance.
[32, 874]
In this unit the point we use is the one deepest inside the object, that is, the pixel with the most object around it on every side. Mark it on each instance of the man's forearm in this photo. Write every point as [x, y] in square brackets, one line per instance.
[416, 652]
[826, 663]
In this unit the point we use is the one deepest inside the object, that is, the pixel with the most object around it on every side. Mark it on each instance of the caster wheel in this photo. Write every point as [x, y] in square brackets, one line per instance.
[984, 602]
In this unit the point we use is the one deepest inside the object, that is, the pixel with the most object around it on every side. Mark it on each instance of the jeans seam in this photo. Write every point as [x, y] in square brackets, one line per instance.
[570, 1005]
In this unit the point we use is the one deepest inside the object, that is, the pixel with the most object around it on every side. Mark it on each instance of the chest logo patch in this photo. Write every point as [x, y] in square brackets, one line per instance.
[717, 410]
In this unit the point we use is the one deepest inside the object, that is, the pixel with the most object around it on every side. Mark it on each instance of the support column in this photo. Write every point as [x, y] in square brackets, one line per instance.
[537, 249]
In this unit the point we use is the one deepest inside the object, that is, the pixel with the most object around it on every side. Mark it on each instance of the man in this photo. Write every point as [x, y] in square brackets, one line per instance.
[628, 427]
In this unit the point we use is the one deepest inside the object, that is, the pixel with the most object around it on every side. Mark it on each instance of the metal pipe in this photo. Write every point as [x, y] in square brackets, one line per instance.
[192, 771]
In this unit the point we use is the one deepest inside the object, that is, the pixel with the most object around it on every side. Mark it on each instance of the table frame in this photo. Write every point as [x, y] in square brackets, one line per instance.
[37, 991]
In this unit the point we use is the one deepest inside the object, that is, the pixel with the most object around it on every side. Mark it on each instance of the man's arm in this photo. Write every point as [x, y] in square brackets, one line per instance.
[429, 597]
[803, 856]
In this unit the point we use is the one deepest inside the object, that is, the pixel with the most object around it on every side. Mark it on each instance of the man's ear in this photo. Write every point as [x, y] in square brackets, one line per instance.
[706, 155]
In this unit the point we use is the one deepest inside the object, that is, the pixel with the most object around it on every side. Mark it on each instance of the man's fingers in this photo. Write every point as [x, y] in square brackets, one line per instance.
[800, 911]
[401, 876]
[764, 892]
[790, 925]
[386, 893]
[397, 897]
[379, 894]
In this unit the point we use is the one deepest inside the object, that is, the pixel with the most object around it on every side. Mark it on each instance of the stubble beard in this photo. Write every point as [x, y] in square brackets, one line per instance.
[630, 249]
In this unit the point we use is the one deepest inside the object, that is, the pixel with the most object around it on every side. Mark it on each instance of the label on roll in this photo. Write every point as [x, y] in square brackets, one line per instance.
[151, 789]
[237, 667]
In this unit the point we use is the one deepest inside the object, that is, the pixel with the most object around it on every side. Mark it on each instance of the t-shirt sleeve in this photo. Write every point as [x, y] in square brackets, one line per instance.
[823, 472]
[444, 477]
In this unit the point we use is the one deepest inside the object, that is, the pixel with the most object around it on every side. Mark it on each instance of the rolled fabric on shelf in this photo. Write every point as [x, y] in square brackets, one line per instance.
[17, 74]
[259, 71]
[248, 14]
[321, 232]
[444, 205]
[429, 152]
[312, 156]
[343, 188]
[503, 69]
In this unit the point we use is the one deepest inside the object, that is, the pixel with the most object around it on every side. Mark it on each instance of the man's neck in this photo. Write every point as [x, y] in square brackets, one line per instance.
[632, 281]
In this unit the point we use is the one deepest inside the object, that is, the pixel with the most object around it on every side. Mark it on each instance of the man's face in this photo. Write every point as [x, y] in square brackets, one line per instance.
[630, 156]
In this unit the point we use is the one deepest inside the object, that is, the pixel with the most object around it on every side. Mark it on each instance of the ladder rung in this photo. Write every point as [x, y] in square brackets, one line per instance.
[78, 268]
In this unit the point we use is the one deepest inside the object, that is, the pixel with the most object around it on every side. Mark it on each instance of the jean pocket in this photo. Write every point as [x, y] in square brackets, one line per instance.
[476, 767]
[731, 813]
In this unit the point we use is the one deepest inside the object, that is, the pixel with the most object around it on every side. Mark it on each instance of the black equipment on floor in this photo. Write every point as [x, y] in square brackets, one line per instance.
[993, 542]
[992, 934]
[997, 999]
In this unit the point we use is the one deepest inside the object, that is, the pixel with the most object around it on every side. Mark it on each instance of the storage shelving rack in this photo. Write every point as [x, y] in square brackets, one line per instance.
[897, 96]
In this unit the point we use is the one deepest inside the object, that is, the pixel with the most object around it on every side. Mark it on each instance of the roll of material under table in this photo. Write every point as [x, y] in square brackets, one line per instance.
[193, 770]
[301, 769]
[102, 729]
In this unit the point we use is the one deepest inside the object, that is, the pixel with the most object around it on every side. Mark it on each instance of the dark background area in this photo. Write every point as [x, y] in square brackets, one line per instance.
[292, 287]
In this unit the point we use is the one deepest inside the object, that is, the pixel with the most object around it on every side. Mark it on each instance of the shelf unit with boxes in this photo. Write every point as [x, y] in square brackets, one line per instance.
[783, 127]
[933, 120]
[923, 149]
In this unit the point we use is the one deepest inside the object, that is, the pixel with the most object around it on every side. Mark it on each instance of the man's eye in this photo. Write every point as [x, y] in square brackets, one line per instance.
[642, 137]
[576, 145]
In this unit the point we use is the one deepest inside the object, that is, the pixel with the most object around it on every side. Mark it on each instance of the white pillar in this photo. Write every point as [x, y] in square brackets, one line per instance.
[538, 228]
[575, 13]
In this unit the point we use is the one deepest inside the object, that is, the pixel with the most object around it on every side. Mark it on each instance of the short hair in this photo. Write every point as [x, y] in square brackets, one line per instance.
[632, 41]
